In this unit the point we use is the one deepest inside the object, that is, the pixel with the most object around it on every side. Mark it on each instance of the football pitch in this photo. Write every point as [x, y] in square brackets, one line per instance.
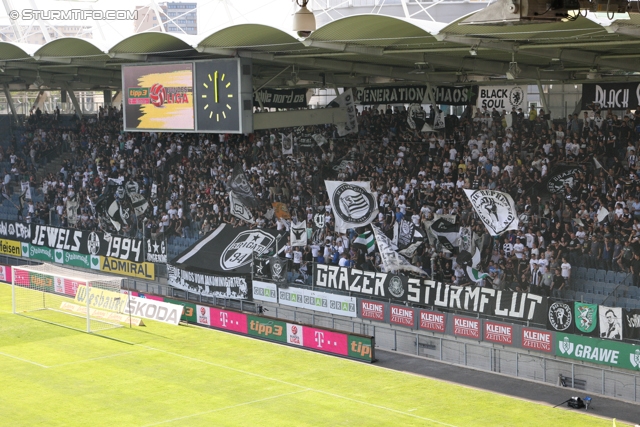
[163, 375]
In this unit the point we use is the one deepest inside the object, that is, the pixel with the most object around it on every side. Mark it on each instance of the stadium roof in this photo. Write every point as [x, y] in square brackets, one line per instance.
[353, 51]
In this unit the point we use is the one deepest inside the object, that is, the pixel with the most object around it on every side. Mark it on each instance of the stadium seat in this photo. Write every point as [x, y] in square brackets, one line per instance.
[609, 288]
[579, 296]
[633, 292]
[620, 276]
[579, 285]
[598, 299]
[622, 291]
[628, 280]
[570, 295]
[589, 287]
[610, 277]
[591, 274]
[600, 275]
[581, 273]
[598, 289]
[588, 298]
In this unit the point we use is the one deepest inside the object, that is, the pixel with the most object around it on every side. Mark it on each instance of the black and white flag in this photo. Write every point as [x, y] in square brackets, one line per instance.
[262, 268]
[392, 260]
[496, 210]
[138, 201]
[239, 210]
[446, 233]
[438, 122]
[299, 234]
[72, 210]
[240, 186]
[319, 139]
[317, 225]
[353, 203]
[287, 144]
[26, 189]
[610, 321]
[279, 268]
[350, 124]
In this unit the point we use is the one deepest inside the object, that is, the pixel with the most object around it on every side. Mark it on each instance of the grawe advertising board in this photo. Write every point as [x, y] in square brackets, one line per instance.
[595, 350]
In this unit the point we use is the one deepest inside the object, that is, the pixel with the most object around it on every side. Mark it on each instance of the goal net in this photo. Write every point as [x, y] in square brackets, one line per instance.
[70, 298]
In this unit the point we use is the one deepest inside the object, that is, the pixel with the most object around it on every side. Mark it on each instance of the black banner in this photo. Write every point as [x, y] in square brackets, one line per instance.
[445, 95]
[85, 242]
[228, 250]
[281, 98]
[631, 324]
[231, 286]
[504, 304]
[156, 251]
[560, 316]
[558, 178]
[617, 96]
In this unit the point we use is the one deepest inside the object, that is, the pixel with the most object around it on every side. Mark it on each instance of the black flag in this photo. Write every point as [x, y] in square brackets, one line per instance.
[241, 188]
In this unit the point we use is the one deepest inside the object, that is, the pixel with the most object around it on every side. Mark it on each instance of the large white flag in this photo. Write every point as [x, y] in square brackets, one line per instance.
[347, 101]
[287, 143]
[239, 209]
[496, 210]
[392, 260]
[353, 203]
[299, 234]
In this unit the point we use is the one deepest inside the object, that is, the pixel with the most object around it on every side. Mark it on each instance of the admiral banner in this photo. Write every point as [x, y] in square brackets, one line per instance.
[594, 350]
[229, 250]
[446, 95]
[141, 270]
[280, 98]
[502, 97]
[233, 287]
[617, 96]
[318, 301]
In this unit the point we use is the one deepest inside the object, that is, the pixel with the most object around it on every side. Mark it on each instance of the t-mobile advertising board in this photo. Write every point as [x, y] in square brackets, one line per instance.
[276, 330]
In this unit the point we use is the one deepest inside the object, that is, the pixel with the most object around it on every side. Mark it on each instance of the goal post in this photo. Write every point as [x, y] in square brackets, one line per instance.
[74, 299]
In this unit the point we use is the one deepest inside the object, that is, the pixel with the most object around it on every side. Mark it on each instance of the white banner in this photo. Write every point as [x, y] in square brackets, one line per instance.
[610, 321]
[287, 143]
[392, 260]
[298, 234]
[495, 209]
[318, 301]
[264, 291]
[502, 98]
[353, 203]
[154, 310]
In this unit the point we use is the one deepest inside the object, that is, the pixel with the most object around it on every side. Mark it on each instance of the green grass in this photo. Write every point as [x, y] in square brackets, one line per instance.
[190, 376]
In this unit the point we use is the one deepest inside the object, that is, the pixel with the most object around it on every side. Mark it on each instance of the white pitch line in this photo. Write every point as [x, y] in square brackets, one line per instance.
[23, 360]
[224, 408]
[298, 385]
[96, 358]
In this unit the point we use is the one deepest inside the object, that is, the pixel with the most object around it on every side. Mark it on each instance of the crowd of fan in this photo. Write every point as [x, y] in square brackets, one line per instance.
[415, 174]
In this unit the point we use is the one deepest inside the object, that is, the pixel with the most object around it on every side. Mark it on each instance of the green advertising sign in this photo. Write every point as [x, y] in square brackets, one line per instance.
[361, 348]
[76, 259]
[39, 252]
[594, 350]
[586, 316]
[189, 313]
[271, 329]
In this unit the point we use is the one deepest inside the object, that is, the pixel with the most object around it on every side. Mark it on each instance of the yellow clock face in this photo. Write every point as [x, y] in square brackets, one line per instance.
[217, 96]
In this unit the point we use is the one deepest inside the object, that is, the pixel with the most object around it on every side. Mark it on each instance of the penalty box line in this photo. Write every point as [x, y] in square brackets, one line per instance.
[373, 405]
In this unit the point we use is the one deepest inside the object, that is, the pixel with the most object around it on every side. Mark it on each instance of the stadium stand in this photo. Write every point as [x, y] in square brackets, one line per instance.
[416, 174]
